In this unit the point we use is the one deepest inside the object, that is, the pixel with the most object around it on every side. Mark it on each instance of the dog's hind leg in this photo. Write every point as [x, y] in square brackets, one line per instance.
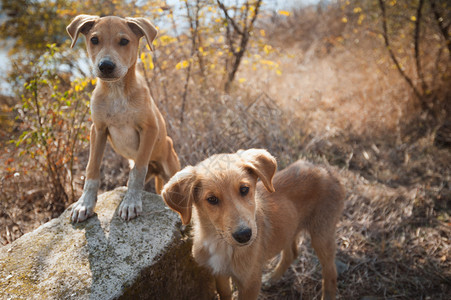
[172, 163]
[324, 245]
[159, 183]
[288, 255]
[155, 170]
[223, 287]
[167, 168]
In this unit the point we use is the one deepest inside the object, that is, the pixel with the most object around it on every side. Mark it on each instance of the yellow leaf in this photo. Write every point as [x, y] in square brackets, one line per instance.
[413, 18]
[284, 12]
[93, 81]
[344, 20]
[166, 39]
[357, 10]
[278, 72]
[361, 18]
[181, 65]
[267, 62]
[262, 32]
[267, 48]
[241, 80]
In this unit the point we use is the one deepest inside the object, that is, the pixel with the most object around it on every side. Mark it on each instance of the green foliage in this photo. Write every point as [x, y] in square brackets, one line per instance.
[53, 123]
[33, 24]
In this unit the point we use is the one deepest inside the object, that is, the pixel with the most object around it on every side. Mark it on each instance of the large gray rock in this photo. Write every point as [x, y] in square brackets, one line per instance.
[105, 257]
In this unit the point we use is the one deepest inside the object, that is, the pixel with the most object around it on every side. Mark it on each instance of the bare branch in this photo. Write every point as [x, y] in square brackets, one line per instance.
[230, 19]
[417, 46]
[443, 28]
[392, 55]
[244, 34]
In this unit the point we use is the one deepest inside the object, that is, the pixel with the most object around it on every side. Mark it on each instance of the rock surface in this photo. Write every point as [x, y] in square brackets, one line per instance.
[105, 257]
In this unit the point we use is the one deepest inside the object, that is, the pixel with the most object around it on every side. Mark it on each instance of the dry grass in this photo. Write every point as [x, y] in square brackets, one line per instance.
[338, 105]
[391, 241]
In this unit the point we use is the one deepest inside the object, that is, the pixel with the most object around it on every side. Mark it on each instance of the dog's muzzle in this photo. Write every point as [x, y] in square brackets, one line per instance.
[242, 235]
[107, 67]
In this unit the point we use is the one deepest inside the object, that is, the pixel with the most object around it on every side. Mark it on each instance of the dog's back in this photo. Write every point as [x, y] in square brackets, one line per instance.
[306, 197]
[313, 189]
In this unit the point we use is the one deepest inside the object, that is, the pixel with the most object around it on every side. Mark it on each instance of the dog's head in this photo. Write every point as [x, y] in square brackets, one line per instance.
[223, 188]
[112, 42]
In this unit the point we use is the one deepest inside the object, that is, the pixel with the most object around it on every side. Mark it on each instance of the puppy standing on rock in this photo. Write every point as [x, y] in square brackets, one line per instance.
[239, 224]
[122, 111]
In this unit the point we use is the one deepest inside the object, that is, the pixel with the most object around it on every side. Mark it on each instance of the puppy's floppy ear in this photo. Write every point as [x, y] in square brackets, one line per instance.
[261, 163]
[179, 193]
[140, 27]
[81, 23]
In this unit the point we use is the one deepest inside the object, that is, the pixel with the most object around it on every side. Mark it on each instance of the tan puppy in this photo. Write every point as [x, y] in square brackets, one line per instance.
[123, 111]
[240, 223]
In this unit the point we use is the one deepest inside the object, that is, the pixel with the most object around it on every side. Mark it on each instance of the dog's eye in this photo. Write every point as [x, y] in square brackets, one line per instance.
[95, 40]
[213, 200]
[244, 190]
[123, 42]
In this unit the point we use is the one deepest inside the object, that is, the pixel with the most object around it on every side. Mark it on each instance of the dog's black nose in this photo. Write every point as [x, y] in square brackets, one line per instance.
[242, 235]
[106, 67]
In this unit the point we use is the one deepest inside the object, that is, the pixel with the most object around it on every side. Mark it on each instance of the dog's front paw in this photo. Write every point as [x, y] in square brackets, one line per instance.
[84, 208]
[131, 205]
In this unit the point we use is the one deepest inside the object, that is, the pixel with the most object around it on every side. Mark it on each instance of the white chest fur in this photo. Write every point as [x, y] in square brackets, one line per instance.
[119, 117]
[220, 255]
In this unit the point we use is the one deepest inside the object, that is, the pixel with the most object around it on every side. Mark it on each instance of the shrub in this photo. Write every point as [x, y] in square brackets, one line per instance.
[52, 118]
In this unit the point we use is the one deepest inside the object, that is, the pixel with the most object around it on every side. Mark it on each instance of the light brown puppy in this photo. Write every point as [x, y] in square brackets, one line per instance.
[122, 111]
[240, 223]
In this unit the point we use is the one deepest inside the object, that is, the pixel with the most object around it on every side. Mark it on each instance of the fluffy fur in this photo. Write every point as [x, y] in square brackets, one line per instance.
[240, 222]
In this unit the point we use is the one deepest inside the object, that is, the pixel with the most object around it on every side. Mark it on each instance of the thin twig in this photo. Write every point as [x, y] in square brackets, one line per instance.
[392, 55]
[417, 46]
[443, 29]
